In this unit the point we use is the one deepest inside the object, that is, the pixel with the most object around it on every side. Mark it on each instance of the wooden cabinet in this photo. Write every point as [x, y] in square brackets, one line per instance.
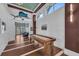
[72, 28]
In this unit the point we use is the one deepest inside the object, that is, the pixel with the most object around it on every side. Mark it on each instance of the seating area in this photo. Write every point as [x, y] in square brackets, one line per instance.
[25, 35]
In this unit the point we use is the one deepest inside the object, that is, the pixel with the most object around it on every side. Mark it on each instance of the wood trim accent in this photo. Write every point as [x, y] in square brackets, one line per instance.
[40, 6]
[19, 8]
[34, 24]
[72, 28]
[54, 39]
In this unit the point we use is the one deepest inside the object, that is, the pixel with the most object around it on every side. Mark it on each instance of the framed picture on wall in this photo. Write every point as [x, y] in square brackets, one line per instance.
[31, 28]
[0, 26]
[3, 27]
[44, 27]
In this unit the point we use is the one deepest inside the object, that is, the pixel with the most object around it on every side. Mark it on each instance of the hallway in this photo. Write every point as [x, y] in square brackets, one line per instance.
[39, 29]
[24, 34]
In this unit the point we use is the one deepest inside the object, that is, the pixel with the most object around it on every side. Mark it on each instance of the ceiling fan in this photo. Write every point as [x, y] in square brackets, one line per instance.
[21, 14]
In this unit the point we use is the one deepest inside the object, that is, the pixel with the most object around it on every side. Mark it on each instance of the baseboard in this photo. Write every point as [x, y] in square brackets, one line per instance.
[3, 48]
[70, 53]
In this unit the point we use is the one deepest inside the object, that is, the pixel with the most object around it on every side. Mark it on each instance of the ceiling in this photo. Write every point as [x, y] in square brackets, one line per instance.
[30, 6]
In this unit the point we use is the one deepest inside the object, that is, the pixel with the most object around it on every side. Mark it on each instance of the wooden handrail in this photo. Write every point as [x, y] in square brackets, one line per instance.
[54, 39]
[46, 42]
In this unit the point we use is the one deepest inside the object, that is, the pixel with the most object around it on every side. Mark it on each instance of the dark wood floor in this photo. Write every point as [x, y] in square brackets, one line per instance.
[18, 49]
[37, 53]
[14, 49]
[11, 51]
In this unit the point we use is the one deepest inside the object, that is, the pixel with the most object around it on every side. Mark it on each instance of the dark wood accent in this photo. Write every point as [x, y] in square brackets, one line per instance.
[19, 8]
[41, 5]
[72, 28]
[46, 42]
[34, 24]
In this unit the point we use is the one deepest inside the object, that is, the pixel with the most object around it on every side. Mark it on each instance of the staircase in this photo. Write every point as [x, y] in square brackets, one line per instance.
[26, 49]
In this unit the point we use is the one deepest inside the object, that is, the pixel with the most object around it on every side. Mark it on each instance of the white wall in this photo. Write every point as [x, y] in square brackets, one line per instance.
[5, 16]
[9, 34]
[15, 12]
[55, 28]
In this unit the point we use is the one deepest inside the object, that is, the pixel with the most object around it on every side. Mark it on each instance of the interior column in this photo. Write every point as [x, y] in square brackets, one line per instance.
[34, 24]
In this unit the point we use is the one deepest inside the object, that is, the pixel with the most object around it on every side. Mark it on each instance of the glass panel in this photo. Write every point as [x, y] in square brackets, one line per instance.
[58, 6]
[21, 28]
[55, 7]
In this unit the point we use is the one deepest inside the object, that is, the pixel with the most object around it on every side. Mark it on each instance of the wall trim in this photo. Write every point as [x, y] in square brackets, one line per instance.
[39, 7]
[19, 8]
[70, 53]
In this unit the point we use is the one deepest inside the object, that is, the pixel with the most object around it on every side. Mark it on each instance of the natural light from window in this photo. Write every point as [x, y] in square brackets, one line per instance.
[40, 15]
[54, 7]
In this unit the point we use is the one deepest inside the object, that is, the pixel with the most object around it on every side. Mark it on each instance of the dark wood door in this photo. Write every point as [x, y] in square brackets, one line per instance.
[72, 28]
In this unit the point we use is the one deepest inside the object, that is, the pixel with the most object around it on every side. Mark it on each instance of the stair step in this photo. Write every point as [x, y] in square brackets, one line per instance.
[16, 45]
[14, 42]
[32, 51]
[57, 52]
[19, 51]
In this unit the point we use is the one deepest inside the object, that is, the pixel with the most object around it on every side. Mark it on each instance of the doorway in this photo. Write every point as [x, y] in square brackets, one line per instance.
[22, 32]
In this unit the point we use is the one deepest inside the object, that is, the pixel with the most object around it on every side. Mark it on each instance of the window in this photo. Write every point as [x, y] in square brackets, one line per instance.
[54, 7]
[21, 27]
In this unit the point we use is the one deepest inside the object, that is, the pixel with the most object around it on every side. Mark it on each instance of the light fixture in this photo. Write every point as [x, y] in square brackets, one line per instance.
[71, 13]
[71, 8]
[71, 18]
